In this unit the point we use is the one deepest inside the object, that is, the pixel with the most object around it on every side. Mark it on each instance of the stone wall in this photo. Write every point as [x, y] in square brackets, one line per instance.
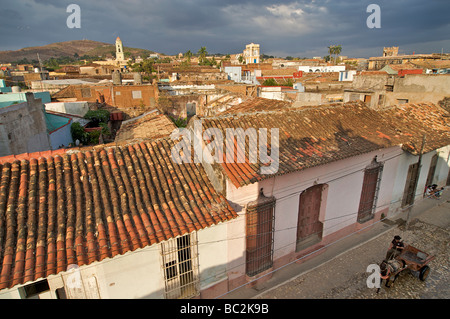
[23, 128]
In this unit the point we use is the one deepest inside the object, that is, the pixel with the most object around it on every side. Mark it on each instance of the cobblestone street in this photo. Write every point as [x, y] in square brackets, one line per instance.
[345, 276]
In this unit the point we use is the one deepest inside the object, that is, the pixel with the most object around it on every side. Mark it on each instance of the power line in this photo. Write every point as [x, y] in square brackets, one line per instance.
[311, 253]
[155, 248]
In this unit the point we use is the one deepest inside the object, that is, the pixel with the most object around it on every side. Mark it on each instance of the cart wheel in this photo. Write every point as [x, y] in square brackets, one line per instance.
[424, 272]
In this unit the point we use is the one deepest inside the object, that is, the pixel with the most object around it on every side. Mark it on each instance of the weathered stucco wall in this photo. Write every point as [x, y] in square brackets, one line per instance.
[343, 180]
[23, 128]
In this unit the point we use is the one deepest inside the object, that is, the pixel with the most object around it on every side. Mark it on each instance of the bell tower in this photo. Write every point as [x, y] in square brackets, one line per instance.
[119, 50]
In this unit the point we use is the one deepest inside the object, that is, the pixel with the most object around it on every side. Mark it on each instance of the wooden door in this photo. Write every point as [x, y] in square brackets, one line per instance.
[368, 193]
[259, 237]
[410, 186]
[309, 228]
[431, 171]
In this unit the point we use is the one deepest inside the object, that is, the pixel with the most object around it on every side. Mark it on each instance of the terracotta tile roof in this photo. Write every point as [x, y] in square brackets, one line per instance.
[149, 126]
[258, 104]
[85, 206]
[315, 136]
[373, 73]
[67, 92]
[436, 64]
[414, 120]
[288, 72]
[403, 66]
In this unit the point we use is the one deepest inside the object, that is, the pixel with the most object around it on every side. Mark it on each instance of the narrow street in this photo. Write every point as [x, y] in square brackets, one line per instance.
[345, 276]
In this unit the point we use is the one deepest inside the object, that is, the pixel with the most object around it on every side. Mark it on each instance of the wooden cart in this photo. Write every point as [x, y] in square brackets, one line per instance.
[416, 261]
[410, 258]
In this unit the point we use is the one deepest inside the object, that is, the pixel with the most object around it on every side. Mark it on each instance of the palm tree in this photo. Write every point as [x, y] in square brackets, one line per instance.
[334, 50]
[337, 51]
[188, 55]
[202, 53]
[331, 51]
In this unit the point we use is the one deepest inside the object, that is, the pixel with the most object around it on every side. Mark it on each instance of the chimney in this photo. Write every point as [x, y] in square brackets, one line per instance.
[137, 78]
[117, 78]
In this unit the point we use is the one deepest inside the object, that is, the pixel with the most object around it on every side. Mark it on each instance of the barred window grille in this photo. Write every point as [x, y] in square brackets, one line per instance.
[260, 217]
[180, 266]
[369, 192]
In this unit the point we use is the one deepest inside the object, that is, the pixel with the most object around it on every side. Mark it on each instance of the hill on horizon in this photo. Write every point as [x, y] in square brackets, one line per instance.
[68, 49]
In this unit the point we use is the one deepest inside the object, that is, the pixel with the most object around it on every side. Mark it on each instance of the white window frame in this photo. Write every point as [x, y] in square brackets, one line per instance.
[136, 94]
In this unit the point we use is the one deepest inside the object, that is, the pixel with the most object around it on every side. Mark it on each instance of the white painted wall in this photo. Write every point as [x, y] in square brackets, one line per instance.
[346, 75]
[135, 274]
[234, 73]
[139, 274]
[344, 179]
[273, 93]
[74, 108]
[443, 164]
[405, 161]
[212, 247]
[331, 68]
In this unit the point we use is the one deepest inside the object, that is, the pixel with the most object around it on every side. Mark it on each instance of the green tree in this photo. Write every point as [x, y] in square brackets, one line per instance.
[334, 50]
[202, 53]
[188, 55]
[145, 66]
[94, 137]
[337, 51]
[270, 82]
[179, 121]
[78, 133]
[97, 117]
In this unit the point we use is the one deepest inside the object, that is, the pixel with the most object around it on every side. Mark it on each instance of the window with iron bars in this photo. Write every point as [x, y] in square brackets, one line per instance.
[260, 217]
[180, 267]
[369, 192]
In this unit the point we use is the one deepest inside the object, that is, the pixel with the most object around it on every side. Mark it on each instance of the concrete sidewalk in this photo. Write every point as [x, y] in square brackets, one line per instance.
[294, 270]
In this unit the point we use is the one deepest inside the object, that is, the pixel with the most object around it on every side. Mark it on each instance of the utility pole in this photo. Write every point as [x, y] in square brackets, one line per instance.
[40, 70]
[419, 165]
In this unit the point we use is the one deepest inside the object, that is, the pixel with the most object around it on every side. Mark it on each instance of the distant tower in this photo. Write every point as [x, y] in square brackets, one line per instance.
[391, 51]
[251, 53]
[119, 50]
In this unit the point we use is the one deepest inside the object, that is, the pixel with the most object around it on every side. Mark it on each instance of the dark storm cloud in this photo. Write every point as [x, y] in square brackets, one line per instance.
[296, 28]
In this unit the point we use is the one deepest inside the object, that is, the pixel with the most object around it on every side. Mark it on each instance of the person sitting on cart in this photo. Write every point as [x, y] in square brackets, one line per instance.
[395, 248]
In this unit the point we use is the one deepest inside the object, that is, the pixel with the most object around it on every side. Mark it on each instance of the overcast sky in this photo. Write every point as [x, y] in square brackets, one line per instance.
[303, 28]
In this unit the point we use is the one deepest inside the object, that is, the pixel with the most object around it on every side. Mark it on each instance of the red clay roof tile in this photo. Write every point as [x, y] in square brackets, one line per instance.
[78, 208]
[315, 136]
